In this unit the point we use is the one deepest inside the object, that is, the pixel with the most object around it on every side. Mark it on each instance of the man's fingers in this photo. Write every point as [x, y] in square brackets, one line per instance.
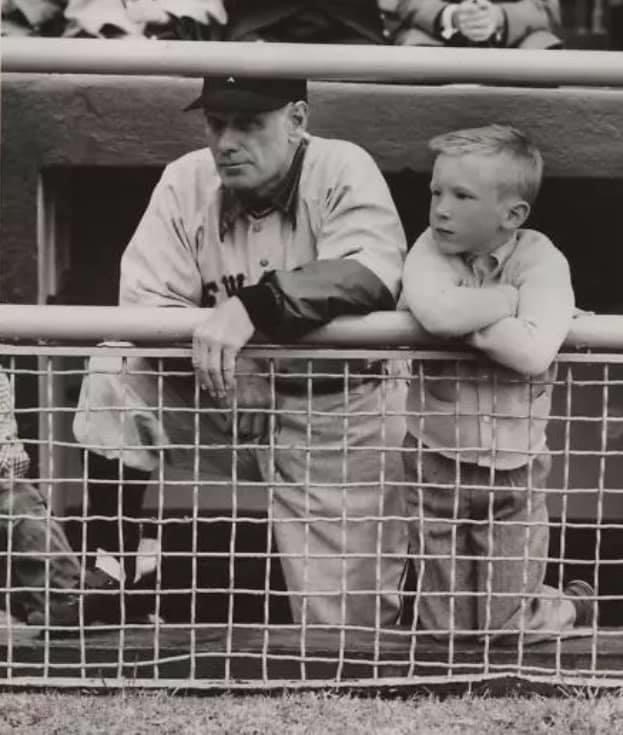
[215, 372]
[260, 422]
[245, 427]
[251, 424]
[199, 359]
[229, 368]
[206, 359]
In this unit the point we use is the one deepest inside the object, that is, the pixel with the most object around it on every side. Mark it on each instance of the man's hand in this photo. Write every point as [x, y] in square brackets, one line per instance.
[252, 400]
[216, 344]
[478, 20]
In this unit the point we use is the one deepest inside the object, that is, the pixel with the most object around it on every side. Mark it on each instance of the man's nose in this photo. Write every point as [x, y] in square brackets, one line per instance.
[227, 139]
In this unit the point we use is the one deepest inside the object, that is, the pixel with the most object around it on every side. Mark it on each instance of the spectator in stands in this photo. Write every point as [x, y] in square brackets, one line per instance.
[277, 231]
[30, 536]
[162, 19]
[305, 21]
[511, 23]
[476, 446]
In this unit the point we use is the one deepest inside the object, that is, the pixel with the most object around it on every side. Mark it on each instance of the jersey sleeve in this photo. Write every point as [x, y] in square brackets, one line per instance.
[360, 251]
[360, 221]
[159, 266]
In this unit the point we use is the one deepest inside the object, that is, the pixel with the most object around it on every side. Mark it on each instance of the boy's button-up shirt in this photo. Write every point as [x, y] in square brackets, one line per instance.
[487, 413]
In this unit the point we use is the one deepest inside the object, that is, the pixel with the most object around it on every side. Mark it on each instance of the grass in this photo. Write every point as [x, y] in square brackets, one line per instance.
[152, 713]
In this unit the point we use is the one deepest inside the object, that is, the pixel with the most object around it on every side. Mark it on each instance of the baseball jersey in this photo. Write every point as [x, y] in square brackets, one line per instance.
[340, 253]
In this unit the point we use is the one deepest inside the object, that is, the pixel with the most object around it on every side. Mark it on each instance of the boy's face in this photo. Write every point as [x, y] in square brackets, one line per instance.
[467, 212]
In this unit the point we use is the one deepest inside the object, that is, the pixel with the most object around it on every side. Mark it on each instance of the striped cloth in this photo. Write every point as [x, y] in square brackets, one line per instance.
[13, 458]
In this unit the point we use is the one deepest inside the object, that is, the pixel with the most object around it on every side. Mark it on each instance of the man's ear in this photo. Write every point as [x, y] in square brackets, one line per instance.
[517, 213]
[298, 114]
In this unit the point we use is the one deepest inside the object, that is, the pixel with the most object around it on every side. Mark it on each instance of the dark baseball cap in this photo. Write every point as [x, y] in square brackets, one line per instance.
[248, 94]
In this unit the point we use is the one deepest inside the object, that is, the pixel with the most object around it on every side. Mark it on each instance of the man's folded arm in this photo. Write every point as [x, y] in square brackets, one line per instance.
[285, 305]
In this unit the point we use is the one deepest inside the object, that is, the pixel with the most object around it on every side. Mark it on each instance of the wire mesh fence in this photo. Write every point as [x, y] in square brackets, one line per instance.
[344, 517]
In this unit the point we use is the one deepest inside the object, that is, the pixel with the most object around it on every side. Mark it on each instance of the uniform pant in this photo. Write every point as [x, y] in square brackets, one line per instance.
[481, 553]
[28, 536]
[326, 465]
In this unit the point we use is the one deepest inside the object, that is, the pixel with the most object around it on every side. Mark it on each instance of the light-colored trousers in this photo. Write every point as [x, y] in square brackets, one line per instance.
[327, 466]
[481, 553]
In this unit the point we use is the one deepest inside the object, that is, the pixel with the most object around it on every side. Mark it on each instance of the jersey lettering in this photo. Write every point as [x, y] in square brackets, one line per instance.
[230, 283]
[233, 284]
[208, 299]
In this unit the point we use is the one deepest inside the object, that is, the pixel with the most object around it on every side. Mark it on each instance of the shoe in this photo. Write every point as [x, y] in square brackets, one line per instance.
[64, 609]
[580, 594]
[141, 602]
[65, 613]
[104, 601]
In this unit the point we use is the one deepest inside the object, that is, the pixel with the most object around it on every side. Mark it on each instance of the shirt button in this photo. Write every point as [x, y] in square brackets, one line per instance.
[385, 33]
[264, 262]
[256, 227]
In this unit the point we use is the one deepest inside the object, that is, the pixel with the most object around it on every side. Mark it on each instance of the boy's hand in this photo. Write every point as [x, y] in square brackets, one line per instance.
[478, 20]
[512, 295]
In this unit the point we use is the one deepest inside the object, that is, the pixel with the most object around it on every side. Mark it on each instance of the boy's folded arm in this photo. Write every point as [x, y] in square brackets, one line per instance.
[529, 342]
[445, 308]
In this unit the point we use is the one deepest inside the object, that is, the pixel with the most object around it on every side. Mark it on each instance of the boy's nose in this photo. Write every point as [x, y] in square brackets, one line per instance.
[441, 209]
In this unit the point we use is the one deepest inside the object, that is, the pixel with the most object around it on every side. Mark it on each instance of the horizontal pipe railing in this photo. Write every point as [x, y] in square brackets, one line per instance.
[142, 324]
[314, 61]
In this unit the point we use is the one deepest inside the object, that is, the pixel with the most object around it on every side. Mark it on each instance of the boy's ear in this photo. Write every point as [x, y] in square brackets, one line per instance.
[517, 213]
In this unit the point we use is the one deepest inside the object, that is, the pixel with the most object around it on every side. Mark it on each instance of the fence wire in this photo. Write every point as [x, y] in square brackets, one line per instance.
[345, 517]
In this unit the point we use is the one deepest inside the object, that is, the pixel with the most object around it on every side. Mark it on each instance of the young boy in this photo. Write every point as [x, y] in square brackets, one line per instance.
[28, 536]
[476, 446]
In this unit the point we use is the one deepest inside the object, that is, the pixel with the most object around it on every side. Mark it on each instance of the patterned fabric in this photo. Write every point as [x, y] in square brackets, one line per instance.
[14, 461]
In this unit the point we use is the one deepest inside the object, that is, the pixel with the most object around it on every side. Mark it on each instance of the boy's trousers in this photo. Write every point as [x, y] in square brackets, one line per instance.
[328, 479]
[29, 537]
[480, 541]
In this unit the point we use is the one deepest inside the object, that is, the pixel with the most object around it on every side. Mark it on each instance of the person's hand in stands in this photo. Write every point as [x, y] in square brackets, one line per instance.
[478, 20]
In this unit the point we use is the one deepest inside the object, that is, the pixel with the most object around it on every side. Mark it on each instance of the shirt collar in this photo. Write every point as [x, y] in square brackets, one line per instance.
[496, 258]
[284, 199]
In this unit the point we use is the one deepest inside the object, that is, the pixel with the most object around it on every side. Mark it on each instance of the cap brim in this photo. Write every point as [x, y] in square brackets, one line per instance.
[236, 100]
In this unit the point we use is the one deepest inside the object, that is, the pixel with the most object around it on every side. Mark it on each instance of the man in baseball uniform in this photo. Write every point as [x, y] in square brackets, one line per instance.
[276, 231]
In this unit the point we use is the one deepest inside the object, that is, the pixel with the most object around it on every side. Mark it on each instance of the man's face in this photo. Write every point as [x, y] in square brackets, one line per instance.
[253, 151]
[467, 213]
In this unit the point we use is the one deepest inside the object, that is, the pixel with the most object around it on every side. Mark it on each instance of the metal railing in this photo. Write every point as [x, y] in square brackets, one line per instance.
[239, 597]
[314, 61]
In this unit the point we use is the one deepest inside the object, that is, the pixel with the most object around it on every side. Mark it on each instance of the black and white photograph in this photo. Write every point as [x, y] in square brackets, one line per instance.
[311, 366]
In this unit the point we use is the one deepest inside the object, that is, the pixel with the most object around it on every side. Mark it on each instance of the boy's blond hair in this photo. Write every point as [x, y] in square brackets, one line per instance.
[525, 169]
